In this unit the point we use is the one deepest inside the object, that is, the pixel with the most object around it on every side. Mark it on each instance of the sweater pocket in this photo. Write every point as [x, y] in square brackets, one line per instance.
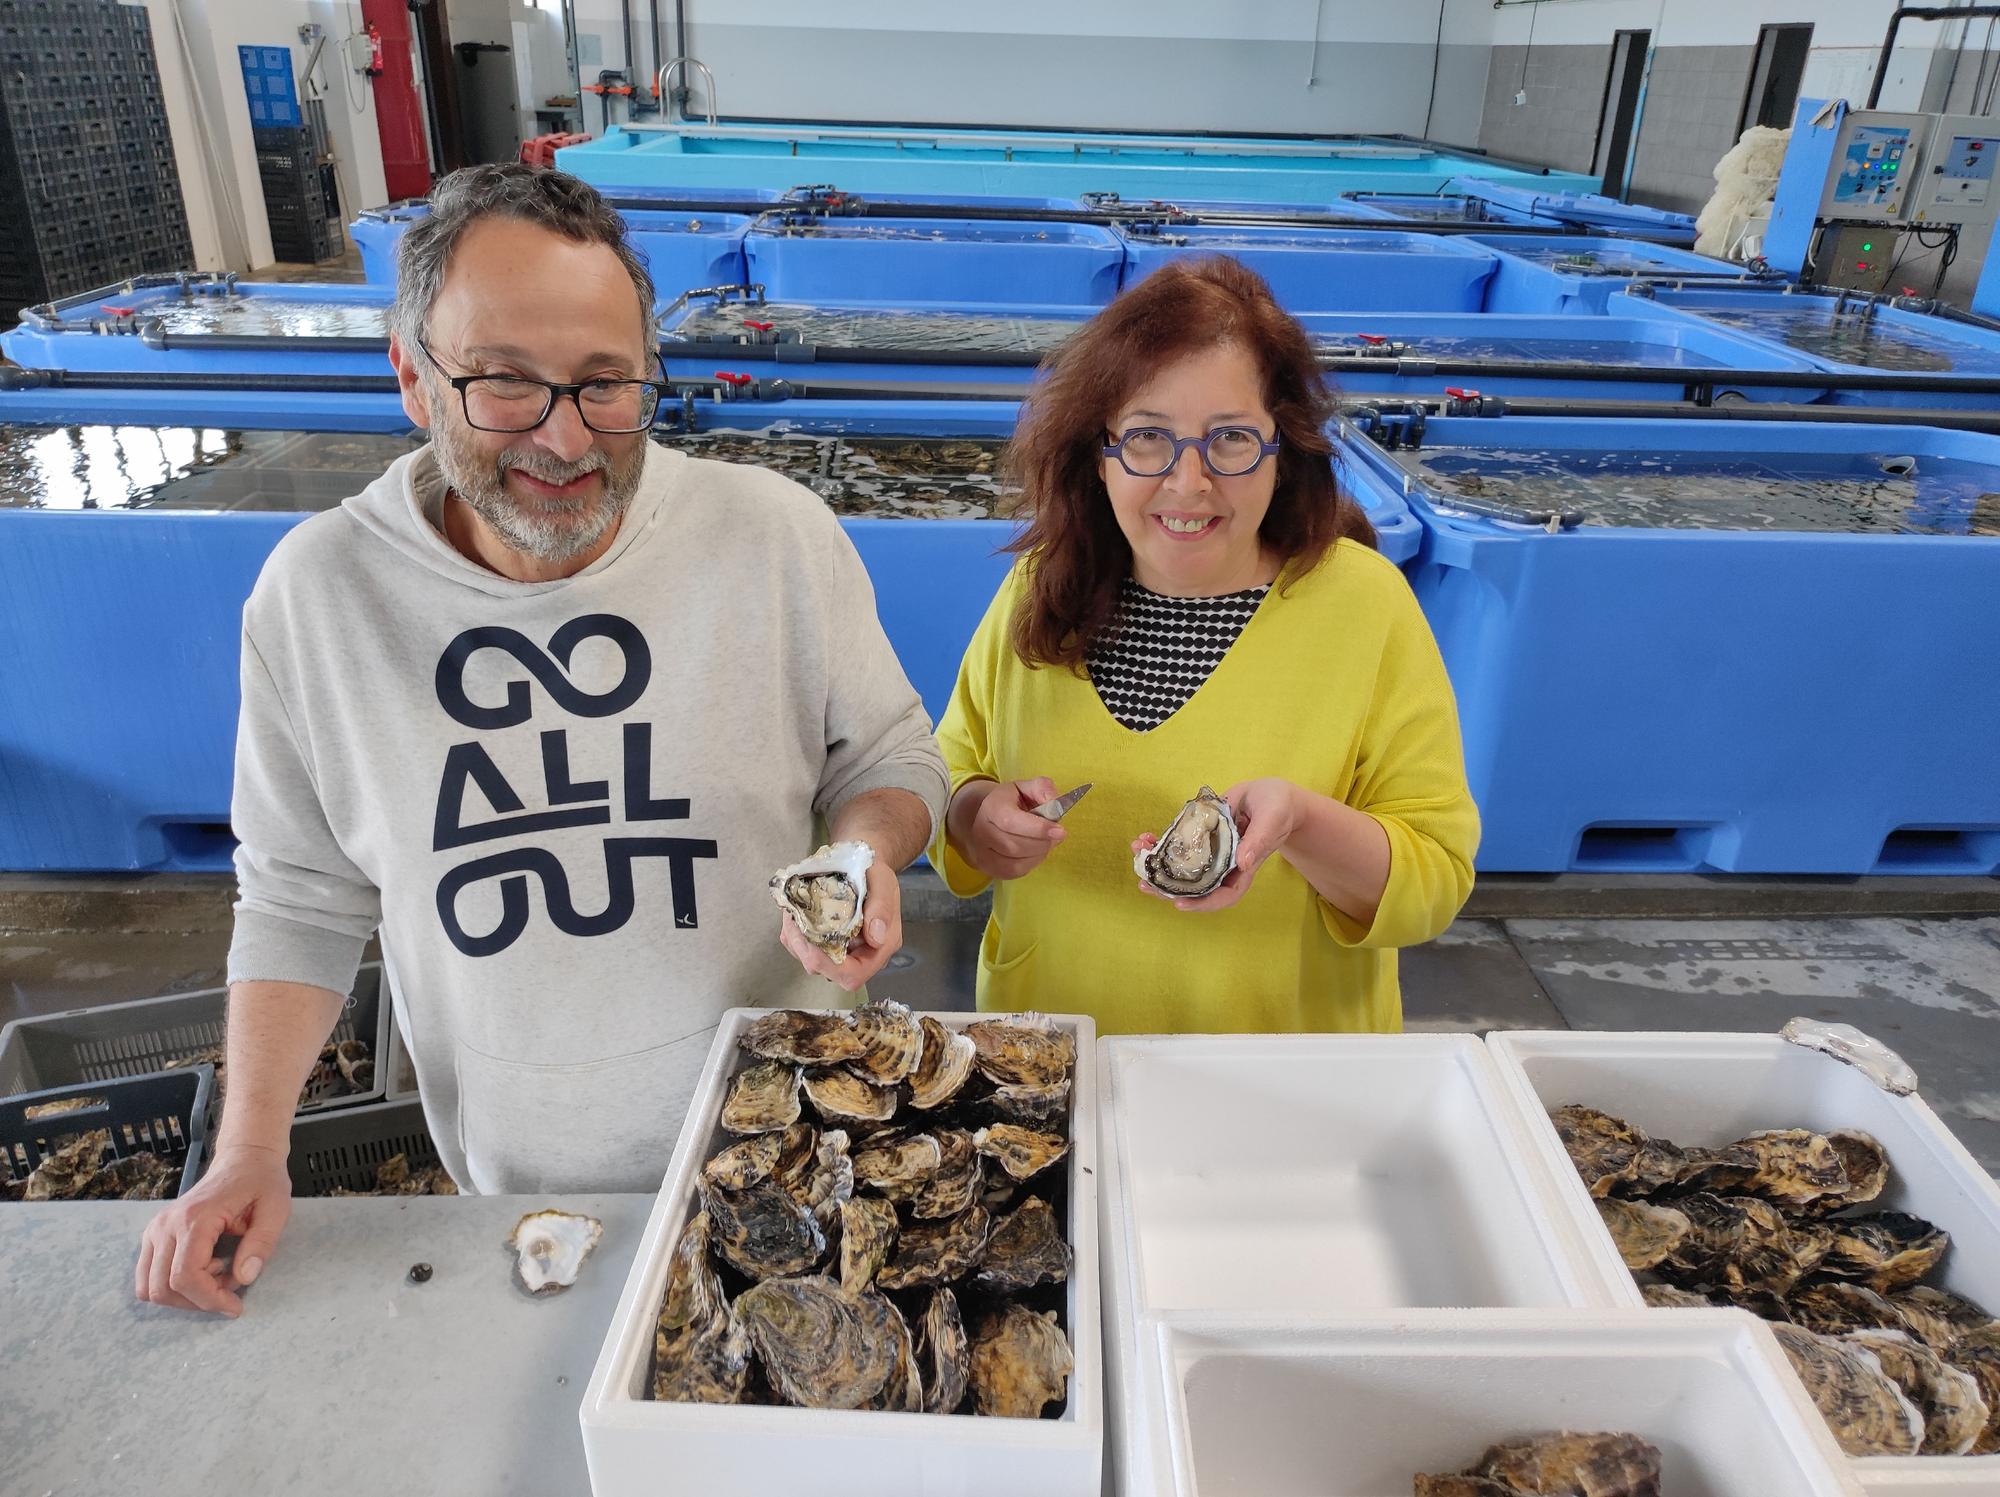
[1004, 968]
[604, 1125]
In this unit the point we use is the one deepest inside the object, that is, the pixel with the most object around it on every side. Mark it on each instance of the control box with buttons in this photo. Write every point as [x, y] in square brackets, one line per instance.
[1875, 161]
[1957, 183]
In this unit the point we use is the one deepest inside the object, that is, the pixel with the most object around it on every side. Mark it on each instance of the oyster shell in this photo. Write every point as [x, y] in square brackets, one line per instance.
[66, 1170]
[867, 1233]
[1025, 1049]
[1938, 1316]
[1645, 1234]
[1462, 1486]
[1021, 1363]
[898, 1166]
[1612, 1156]
[904, 1389]
[1955, 1413]
[803, 1037]
[1790, 1166]
[1668, 1297]
[1866, 1164]
[1601, 1465]
[826, 1182]
[839, 1096]
[1041, 1107]
[1982, 1360]
[1025, 1248]
[701, 1351]
[748, 1163]
[1833, 1307]
[821, 1348]
[549, 1249]
[932, 1253]
[955, 1183]
[763, 1232]
[944, 1354]
[824, 894]
[356, 1063]
[764, 1098]
[1743, 1246]
[1022, 1152]
[1196, 851]
[892, 1040]
[1886, 1250]
[1866, 1410]
[942, 1071]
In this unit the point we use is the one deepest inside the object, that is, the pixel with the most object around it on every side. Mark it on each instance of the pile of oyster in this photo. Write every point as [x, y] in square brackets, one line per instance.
[345, 1068]
[886, 1230]
[1781, 1224]
[85, 1167]
[395, 1176]
[1558, 1465]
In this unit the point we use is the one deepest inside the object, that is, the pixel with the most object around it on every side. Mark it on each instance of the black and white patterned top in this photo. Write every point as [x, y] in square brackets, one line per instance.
[1159, 650]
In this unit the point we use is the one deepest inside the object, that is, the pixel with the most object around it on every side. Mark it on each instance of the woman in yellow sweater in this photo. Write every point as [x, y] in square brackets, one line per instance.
[1196, 604]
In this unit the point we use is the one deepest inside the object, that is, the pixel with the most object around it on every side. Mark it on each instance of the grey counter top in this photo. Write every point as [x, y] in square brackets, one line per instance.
[342, 1377]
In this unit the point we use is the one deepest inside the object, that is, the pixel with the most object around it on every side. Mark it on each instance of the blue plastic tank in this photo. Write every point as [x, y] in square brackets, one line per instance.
[801, 257]
[1330, 270]
[1582, 209]
[1568, 273]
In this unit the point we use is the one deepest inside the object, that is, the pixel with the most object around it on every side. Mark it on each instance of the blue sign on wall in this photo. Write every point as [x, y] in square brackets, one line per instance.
[267, 79]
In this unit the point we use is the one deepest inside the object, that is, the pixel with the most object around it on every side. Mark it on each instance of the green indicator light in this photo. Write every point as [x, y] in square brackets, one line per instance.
[1866, 248]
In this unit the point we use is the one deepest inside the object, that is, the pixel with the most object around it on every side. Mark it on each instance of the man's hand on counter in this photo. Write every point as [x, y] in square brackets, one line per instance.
[247, 1193]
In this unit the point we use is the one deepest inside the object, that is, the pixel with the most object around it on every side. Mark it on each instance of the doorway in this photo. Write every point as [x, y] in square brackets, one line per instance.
[1775, 80]
[1623, 86]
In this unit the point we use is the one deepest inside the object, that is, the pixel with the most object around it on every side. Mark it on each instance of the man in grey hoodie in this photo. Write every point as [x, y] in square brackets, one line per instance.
[546, 704]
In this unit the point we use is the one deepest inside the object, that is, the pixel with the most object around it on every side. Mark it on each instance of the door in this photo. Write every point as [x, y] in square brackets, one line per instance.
[399, 113]
[1774, 81]
[1622, 88]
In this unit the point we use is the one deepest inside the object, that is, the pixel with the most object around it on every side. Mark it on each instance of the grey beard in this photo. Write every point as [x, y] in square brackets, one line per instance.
[553, 531]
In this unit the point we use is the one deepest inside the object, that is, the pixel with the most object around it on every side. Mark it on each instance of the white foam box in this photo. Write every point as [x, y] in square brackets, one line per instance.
[640, 1448]
[1314, 1176]
[1357, 1410]
[1710, 1089]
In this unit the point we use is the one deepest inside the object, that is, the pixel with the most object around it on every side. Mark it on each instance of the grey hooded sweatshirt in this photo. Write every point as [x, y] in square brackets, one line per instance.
[560, 801]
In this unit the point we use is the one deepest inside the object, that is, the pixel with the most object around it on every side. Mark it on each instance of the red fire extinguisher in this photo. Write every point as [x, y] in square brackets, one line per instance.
[374, 68]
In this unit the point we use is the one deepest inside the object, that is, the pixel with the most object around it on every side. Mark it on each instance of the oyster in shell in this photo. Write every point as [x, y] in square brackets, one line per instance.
[1612, 1156]
[1741, 1245]
[1667, 1297]
[1789, 1166]
[1866, 1164]
[764, 1098]
[1021, 1363]
[1981, 1359]
[892, 1042]
[763, 1232]
[1022, 1152]
[1460, 1485]
[898, 1166]
[821, 1348]
[1043, 1107]
[701, 1352]
[904, 1390]
[67, 1170]
[748, 1163]
[549, 1249]
[823, 895]
[1955, 1413]
[1600, 1465]
[1938, 1316]
[840, 1096]
[867, 1233]
[1196, 851]
[932, 1253]
[1025, 1049]
[804, 1037]
[1866, 1410]
[944, 1354]
[1887, 1250]
[946, 1063]
[955, 1183]
[356, 1063]
[826, 1182]
[1645, 1234]
[1025, 1248]
[1833, 1307]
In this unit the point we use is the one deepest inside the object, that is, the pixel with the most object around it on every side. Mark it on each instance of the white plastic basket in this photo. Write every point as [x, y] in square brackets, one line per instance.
[640, 1448]
[1709, 1089]
[1315, 1177]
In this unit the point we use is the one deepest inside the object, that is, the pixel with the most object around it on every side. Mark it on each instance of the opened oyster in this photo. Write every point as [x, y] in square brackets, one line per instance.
[1558, 1465]
[1025, 1248]
[824, 894]
[840, 1096]
[1955, 1413]
[763, 1232]
[1022, 1152]
[701, 1351]
[892, 1042]
[1645, 1234]
[1612, 1156]
[764, 1098]
[944, 1354]
[932, 1253]
[1867, 1412]
[821, 1348]
[1887, 1250]
[1196, 851]
[549, 1249]
[1021, 1363]
[946, 1063]
[804, 1037]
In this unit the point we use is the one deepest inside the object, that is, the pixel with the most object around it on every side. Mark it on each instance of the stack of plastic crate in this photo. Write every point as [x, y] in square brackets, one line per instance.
[294, 159]
[89, 192]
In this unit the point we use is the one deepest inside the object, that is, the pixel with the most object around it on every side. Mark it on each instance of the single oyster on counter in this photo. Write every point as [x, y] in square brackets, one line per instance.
[824, 894]
[944, 1354]
[1886, 1250]
[1021, 1363]
[1609, 1153]
[1196, 851]
[892, 1042]
[1599, 1465]
[898, 1166]
[764, 1098]
[763, 1232]
[1865, 1409]
[1026, 1049]
[803, 1037]
[955, 1183]
[1022, 1152]
[701, 1351]
[1645, 1234]
[931, 1253]
[1938, 1316]
[1955, 1412]
[1833, 1307]
[1025, 1248]
[867, 1233]
[946, 1063]
[1790, 1166]
[549, 1249]
[821, 1348]
[840, 1096]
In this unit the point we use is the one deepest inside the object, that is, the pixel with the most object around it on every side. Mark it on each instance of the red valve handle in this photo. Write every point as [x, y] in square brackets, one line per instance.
[762, 327]
[732, 379]
[1372, 337]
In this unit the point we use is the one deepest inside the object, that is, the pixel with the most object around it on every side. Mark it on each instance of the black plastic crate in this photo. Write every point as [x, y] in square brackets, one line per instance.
[341, 1150]
[165, 1112]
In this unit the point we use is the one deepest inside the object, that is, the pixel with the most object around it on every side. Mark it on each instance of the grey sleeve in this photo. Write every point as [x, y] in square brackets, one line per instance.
[304, 912]
[877, 734]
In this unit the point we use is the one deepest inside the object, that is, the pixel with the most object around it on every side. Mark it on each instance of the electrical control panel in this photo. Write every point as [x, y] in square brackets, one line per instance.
[1956, 184]
[1875, 161]
[1859, 257]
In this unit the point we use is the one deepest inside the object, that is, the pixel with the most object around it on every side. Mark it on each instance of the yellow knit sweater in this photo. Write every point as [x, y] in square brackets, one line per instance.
[1335, 685]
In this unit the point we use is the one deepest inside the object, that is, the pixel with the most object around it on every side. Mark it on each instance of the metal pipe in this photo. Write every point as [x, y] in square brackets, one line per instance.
[74, 379]
[1917, 13]
[668, 67]
[1667, 410]
[654, 50]
[631, 69]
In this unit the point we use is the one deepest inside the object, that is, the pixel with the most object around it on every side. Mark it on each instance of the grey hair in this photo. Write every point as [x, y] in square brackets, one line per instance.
[554, 200]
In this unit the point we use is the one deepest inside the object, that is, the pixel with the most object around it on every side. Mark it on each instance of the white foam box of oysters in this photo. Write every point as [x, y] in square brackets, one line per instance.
[1710, 1089]
[1315, 1177]
[1270, 1409]
[639, 1448]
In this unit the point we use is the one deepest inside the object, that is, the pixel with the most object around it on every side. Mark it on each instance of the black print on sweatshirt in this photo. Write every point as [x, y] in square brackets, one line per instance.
[570, 802]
